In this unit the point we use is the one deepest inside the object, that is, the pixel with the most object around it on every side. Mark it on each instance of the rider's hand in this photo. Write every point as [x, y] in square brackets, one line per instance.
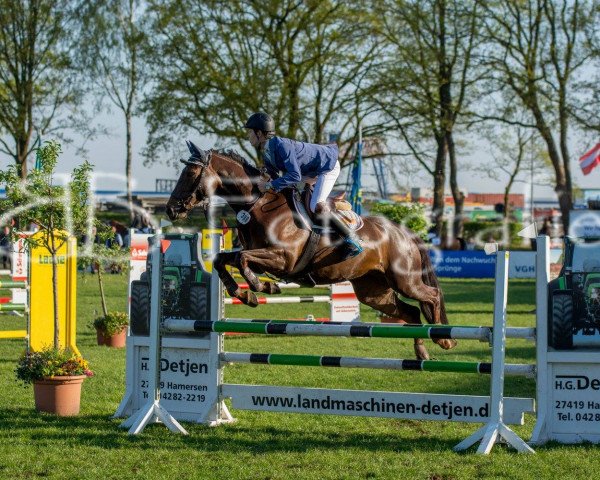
[264, 186]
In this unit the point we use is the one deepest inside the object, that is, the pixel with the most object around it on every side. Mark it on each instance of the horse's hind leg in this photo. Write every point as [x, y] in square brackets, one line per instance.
[374, 291]
[430, 299]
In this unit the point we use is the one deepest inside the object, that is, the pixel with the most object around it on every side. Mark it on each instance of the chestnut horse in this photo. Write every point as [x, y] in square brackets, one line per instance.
[394, 261]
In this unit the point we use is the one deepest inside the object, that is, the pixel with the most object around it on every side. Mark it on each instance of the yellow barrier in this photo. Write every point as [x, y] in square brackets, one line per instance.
[207, 243]
[41, 315]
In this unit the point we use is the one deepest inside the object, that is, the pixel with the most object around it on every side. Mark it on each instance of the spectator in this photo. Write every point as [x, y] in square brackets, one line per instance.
[122, 231]
[546, 227]
[6, 248]
[117, 239]
[141, 223]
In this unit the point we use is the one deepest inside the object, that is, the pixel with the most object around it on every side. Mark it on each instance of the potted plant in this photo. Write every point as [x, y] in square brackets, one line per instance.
[111, 329]
[56, 375]
[100, 252]
[59, 211]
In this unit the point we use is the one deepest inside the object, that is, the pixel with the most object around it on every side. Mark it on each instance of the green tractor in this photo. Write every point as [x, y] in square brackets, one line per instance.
[574, 297]
[185, 284]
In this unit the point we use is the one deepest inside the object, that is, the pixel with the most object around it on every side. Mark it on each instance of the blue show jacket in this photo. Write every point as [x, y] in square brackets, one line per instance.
[296, 160]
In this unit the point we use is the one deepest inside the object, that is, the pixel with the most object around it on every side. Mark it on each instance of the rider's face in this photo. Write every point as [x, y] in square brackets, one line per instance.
[254, 139]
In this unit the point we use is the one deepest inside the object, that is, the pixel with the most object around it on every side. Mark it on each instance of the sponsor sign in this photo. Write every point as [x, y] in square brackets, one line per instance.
[463, 264]
[584, 223]
[188, 380]
[575, 407]
[476, 264]
[422, 406]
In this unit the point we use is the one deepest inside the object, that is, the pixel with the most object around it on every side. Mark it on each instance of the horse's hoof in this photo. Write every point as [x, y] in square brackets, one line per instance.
[248, 298]
[272, 288]
[447, 344]
[421, 352]
[234, 292]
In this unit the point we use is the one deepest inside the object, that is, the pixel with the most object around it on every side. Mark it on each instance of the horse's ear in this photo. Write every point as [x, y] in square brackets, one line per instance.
[198, 156]
[194, 150]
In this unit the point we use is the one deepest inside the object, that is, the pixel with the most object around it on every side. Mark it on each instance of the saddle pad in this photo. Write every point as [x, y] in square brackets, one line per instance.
[350, 218]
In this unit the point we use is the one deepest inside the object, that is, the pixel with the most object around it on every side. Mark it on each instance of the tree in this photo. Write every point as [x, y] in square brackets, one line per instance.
[35, 74]
[59, 211]
[217, 61]
[587, 102]
[518, 156]
[427, 83]
[535, 52]
[110, 57]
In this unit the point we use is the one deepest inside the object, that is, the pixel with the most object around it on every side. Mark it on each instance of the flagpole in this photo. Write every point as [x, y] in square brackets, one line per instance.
[531, 186]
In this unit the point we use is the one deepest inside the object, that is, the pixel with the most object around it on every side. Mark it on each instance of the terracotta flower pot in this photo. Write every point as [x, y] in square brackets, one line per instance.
[117, 340]
[59, 395]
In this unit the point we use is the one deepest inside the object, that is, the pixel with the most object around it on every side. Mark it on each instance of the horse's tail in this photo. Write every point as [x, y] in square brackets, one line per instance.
[430, 279]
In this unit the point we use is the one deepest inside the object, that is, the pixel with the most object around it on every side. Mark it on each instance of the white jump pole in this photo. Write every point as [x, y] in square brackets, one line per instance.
[542, 278]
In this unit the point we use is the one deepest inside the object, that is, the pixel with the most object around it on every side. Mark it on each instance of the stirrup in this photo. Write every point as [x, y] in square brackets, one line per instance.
[352, 247]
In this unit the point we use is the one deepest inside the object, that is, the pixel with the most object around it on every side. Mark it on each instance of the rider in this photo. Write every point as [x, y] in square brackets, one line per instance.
[299, 161]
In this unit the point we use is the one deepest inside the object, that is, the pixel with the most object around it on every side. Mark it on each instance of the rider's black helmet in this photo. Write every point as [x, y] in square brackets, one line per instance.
[261, 121]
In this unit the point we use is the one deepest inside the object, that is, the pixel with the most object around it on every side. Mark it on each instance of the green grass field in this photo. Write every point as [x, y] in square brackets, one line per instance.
[280, 446]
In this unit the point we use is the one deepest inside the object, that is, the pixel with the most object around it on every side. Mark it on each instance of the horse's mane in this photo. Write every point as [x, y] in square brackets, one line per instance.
[236, 157]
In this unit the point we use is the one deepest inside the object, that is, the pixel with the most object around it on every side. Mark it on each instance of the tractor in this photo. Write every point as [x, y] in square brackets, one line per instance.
[574, 297]
[184, 280]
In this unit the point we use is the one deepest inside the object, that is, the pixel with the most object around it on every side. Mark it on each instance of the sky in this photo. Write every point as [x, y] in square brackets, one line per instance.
[107, 154]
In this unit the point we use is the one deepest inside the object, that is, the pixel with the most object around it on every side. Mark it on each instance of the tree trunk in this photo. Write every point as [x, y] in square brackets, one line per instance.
[22, 147]
[459, 197]
[565, 201]
[55, 289]
[101, 285]
[128, 161]
[563, 187]
[439, 182]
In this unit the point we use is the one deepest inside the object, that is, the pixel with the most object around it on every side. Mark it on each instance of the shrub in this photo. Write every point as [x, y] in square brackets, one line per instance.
[411, 215]
[494, 231]
[111, 323]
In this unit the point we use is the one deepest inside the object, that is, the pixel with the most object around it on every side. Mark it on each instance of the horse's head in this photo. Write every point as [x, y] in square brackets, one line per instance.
[196, 184]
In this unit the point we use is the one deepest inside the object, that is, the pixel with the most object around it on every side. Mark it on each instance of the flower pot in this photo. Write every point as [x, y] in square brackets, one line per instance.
[58, 395]
[118, 340]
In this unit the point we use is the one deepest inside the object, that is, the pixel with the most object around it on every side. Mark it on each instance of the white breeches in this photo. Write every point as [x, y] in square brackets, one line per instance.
[323, 185]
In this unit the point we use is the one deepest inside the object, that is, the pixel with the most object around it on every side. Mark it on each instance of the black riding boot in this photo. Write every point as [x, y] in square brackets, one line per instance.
[325, 217]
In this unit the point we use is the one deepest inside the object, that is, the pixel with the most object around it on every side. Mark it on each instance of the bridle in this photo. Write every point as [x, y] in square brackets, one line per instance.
[202, 160]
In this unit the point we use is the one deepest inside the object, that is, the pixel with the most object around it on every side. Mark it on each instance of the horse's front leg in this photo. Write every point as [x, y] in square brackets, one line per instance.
[220, 263]
[264, 260]
[273, 260]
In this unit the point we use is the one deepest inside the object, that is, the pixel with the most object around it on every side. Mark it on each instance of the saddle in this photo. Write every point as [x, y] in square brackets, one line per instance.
[300, 204]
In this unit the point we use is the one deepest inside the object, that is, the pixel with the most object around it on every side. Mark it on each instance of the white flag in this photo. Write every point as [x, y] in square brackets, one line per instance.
[529, 232]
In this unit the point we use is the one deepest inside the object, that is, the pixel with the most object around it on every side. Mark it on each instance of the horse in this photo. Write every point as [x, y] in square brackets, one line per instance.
[394, 263]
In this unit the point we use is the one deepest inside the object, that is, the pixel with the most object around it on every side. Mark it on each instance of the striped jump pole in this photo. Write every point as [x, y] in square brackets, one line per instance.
[343, 303]
[523, 370]
[283, 286]
[11, 284]
[327, 329]
[290, 299]
[13, 307]
[525, 333]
